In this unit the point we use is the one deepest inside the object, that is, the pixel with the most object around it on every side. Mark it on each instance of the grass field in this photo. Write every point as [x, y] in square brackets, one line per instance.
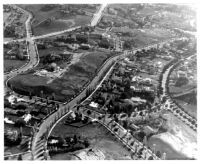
[186, 97]
[70, 83]
[13, 64]
[52, 27]
[189, 108]
[98, 137]
[58, 23]
[62, 24]
[145, 36]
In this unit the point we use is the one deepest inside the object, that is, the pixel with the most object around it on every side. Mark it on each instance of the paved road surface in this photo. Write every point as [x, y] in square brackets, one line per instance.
[97, 16]
[181, 114]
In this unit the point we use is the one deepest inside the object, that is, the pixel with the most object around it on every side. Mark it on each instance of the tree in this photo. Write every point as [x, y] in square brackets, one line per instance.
[41, 94]
[86, 143]
[20, 123]
[19, 157]
[89, 112]
[75, 139]
[150, 158]
[104, 43]
[82, 38]
[53, 96]
[158, 154]
[30, 95]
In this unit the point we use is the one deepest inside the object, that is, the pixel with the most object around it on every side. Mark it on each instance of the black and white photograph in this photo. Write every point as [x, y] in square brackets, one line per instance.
[99, 81]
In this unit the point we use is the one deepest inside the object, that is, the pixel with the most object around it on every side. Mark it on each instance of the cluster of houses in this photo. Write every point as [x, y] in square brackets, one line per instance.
[15, 51]
[24, 112]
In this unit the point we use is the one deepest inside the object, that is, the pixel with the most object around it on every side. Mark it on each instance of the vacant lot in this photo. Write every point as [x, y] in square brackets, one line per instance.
[10, 65]
[179, 142]
[70, 83]
[143, 37]
[99, 138]
[53, 26]
[52, 18]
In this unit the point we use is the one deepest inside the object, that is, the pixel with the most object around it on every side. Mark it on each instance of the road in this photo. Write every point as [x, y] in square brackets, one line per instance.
[33, 52]
[28, 21]
[185, 92]
[97, 16]
[94, 21]
[48, 122]
[171, 106]
[55, 33]
[122, 134]
[34, 60]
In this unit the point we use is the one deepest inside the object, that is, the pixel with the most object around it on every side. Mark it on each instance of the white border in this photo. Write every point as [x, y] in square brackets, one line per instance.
[195, 3]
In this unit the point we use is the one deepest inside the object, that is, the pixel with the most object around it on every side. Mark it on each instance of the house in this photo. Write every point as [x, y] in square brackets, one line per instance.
[94, 105]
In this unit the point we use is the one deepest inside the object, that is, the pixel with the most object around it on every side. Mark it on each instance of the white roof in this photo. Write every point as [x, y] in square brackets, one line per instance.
[54, 141]
[12, 98]
[8, 121]
[93, 104]
[138, 99]
[27, 117]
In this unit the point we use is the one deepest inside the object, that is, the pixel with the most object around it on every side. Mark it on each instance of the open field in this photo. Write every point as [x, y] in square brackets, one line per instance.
[52, 18]
[61, 24]
[98, 137]
[51, 27]
[70, 83]
[162, 15]
[185, 95]
[147, 36]
[13, 64]
[189, 108]
[179, 142]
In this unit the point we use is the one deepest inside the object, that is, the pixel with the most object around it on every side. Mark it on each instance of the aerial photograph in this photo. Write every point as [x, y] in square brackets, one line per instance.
[110, 81]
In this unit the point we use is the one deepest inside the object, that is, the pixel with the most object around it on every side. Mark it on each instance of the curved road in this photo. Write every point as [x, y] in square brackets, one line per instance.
[33, 52]
[34, 60]
[48, 122]
[170, 105]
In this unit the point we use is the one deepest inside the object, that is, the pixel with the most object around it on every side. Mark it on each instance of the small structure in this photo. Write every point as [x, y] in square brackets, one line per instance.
[93, 104]
[138, 99]
[27, 117]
